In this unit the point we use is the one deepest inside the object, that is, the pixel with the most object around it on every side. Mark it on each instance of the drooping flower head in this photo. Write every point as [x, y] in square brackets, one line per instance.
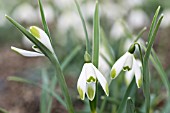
[87, 81]
[41, 36]
[127, 62]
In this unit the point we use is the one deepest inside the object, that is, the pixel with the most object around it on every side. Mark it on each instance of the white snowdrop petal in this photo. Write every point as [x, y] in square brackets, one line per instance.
[128, 63]
[102, 80]
[90, 90]
[81, 84]
[41, 36]
[138, 73]
[118, 66]
[90, 72]
[26, 53]
[129, 76]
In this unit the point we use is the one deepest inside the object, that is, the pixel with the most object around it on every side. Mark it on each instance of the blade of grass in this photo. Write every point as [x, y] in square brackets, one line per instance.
[22, 80]
[68, 59]
[43, 19]
[130, 107]
[84, 26]
[153, 23]
[3, 110]
[130, 91]
[146, 81]
[158, 66]
[95, 52]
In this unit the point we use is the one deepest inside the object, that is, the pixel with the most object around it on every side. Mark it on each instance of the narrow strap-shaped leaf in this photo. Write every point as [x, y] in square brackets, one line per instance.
[146, 81]
[95, 51]
[129, 92]
[3, 110]
[158, 66]
[22, 80]
[84, 26]
[96, 37]
[70, 57]
[153, 24]
[44, 20]
[130, 107]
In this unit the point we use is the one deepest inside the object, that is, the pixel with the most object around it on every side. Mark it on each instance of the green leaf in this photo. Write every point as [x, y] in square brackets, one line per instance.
[129, 92]
[23, 80]
[146, 81]
[43, 19]
[153, 23]
[70, 57]
[84, 26]
[158, 66]
[130, 107]
[3, 110]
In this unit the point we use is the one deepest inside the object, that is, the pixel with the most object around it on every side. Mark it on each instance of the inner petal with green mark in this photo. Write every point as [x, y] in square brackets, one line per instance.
[139, 83]
[34, 31]
[81, 93]
[90, 92]
[126, 68]
[91, 79]
[113, 73]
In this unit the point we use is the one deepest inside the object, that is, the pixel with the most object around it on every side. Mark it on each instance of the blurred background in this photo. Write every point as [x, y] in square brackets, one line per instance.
[121, 21]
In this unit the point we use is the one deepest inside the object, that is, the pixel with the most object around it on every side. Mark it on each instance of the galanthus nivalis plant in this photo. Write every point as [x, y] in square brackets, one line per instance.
[127, 62]
[87, 81]
[42, 37]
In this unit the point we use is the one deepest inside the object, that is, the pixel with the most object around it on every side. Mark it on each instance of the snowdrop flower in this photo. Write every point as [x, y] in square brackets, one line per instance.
[127, 62]
[165, 22]
[25, 13]
[42, 37]
[138, 19]
[130, 74]
[87, 81]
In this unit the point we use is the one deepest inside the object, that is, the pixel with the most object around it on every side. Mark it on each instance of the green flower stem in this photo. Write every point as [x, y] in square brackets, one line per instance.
[140, 50]
[52, 57]
[84, 26]
[95, 52]
[140, 34]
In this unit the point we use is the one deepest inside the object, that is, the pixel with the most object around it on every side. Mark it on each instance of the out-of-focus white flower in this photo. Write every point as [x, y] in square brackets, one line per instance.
[71, 21]
[166, 21]
[42, 37]
[117, 30]
[64, 4]
[25, 13]
[49, 13]
[130, 41]
[88, 9]
[112, 11]
[130, 74]
[137, 19]
[126, 63]
[87, 81]
[129, 4]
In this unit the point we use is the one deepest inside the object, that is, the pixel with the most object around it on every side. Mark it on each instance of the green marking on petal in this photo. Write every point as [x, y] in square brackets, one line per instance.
[90, 92]
[91, 79]
[34, 31]
[139, 83]
[81, 93]
[126, 68]
[107, 89]
[113, 73]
